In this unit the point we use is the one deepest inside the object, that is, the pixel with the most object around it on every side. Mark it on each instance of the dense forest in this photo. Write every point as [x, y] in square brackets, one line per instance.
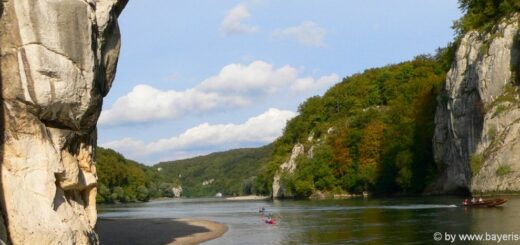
[374, 132]
[230, 173]
[123, 180]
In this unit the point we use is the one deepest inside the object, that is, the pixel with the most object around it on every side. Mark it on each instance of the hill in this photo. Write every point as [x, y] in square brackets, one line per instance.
[231, 172]
[371, 132]
[124, 180]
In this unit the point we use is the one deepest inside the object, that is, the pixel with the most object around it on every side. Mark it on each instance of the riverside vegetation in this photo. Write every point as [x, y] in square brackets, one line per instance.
[371, 132]
[232, 173]
[124, 180]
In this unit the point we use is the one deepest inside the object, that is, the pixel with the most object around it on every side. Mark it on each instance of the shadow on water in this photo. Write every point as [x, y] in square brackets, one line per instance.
[144, 231]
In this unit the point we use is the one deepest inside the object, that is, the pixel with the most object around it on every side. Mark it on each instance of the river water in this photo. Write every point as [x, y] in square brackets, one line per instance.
[349, 221]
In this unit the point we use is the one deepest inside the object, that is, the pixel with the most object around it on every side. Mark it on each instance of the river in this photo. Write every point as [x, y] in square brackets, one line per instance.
[348, 221]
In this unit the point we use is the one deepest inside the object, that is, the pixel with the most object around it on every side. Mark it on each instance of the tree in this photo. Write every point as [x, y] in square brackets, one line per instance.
[370, 152]
[483, 14]
[403, 162]
[143, 194]
[166, 189]
[104, 194]
[118, 194]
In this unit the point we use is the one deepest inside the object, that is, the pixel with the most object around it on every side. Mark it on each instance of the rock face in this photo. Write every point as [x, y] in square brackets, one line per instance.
[286, 167]
[58, 60]
[477, 134]
[177, 191]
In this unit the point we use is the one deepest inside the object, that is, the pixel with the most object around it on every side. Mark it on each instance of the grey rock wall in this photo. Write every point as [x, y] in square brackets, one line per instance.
[477, 134]
[58, 60]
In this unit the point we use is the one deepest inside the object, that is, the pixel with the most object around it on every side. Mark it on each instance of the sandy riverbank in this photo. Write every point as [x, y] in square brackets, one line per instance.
[244, 198]
[158, 231]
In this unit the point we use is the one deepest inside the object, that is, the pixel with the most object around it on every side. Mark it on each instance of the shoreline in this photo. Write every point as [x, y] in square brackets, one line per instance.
[246, 198]
[158, 231]
[216, 230]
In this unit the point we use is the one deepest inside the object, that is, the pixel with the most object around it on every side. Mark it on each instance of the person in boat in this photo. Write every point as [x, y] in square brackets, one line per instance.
[466, 202]
[473, 200]
[270, 219]
[262, 210]
[480, 199]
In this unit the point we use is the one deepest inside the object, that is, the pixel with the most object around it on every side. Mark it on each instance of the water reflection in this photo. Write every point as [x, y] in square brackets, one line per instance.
[355, 221]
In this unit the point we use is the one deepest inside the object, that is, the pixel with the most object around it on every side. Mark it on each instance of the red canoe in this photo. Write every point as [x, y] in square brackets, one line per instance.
[485, 203]
[271, 222]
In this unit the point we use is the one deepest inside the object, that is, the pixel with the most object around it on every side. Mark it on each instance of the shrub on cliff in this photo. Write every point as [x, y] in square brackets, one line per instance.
[483, 14]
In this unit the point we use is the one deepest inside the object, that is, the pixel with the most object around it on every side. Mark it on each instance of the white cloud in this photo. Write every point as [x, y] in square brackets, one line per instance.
[126, 145]
[236, 85]
[307, 33]
[258, 77]
[261, 129]
[145, 103]
[233, 23]
[311, 84]
[261, 78]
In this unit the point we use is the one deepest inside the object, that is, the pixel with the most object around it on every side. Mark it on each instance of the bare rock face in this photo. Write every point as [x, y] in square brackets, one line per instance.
[58, 60]
[286, 167]
[177, 191]
[477, 134]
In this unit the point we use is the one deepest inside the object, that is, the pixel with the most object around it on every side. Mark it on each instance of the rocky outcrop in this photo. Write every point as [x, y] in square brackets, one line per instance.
[58, 60]
[177, 191]
[286, 167]
[207, 182]
[477, 134]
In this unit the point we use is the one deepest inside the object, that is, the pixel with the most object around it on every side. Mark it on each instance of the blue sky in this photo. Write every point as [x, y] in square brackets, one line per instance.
[196, 77]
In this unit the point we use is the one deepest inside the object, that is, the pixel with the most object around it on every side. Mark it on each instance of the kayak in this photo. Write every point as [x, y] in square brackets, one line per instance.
[485, 203]
[271, 222]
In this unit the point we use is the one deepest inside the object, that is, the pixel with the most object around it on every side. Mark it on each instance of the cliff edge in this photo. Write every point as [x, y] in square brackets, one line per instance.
[477, 133]
[58, 60]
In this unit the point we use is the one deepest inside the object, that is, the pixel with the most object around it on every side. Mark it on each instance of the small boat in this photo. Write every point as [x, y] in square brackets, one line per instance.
[270, 221]
[485, 203]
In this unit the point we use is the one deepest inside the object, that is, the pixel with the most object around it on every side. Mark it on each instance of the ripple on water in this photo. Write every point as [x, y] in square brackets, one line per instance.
[353, 221]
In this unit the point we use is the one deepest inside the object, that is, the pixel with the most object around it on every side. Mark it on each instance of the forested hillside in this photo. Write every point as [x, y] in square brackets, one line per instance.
[123, 180]
[371, 132]
[231, 172]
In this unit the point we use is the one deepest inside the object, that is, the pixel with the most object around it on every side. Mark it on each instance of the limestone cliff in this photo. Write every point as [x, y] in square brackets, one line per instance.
[58, 60]
[286, 167]
[477, 134]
